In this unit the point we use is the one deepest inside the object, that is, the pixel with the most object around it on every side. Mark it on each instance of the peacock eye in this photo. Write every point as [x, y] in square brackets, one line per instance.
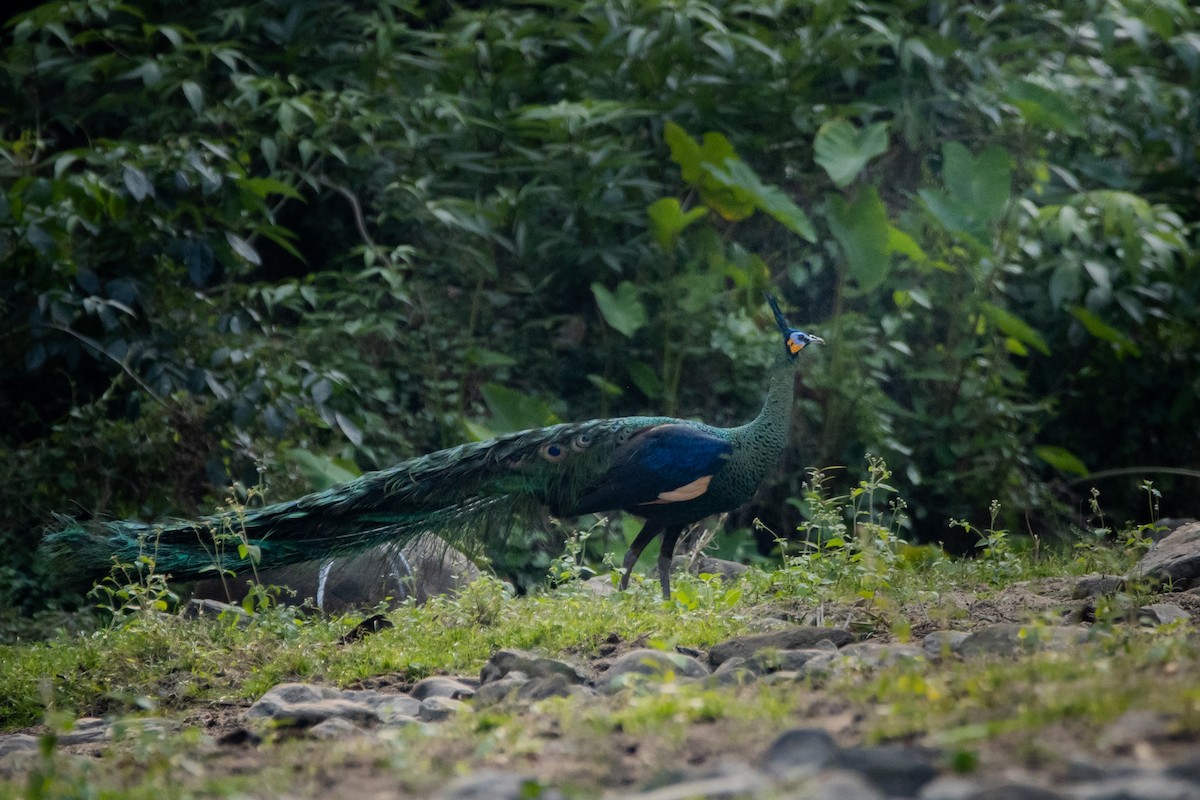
[581, 442]
[552, 453]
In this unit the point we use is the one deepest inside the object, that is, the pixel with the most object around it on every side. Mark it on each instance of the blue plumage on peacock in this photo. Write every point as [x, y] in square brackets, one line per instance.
[671, 472]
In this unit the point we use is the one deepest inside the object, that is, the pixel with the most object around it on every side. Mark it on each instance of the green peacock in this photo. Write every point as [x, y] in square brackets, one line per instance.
[671, 472]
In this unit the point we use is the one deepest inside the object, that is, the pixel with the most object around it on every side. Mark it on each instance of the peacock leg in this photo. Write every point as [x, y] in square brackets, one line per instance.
[648, 532]
[666, 555]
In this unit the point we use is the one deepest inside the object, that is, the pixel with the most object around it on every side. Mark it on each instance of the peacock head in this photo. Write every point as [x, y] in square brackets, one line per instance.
[793, 340]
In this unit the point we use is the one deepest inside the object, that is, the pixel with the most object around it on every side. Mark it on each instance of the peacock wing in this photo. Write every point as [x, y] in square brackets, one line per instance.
[668, 463]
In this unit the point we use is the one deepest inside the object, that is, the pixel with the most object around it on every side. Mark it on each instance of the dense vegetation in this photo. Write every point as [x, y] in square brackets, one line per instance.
[263, 244]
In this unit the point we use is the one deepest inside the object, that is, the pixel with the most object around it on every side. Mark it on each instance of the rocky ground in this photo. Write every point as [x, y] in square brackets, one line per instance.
[818, 752]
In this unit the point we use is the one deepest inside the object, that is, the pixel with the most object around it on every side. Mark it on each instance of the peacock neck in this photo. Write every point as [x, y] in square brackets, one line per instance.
[767, 434]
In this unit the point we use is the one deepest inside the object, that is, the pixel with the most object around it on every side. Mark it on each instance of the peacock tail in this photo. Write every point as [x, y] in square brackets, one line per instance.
[464, 494]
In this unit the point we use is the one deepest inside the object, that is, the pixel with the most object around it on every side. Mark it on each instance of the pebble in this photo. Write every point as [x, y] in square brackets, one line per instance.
[439, 686]
[799, 637]
[650, 664]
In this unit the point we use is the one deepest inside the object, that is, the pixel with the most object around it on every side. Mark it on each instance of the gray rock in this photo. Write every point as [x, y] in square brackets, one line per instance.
[1135, 727]
[601, 586]
[1187, 769]
[875, 654]
[304, 704]
[1015, 640]
[841, 785]
[420, 569]
[546, 687]
[799, 752]
[735, 676]
[766, 661]
[334, 728]
[388, 707]
[495, 785]
[1016, 791]
[796, 638]
[940, 644]
[17, 742]
[439, 686]
[949, 787]
[1175, 559]
[436, 709]
[725, 570]
[651, 664]
[499, 690]
[1097, 586]
[85, 730]
[1162, 614]
[897, 770]
[1143, 786]
[215, 609]
[730, 784]
[505, 661]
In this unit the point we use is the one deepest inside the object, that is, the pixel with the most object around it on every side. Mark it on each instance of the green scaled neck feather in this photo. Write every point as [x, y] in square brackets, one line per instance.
[671, 472]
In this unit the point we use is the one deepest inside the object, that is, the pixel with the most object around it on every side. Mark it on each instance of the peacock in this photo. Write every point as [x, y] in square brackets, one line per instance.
[671, 472]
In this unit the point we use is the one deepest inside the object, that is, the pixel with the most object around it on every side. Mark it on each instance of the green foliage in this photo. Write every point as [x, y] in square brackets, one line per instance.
[234, 233]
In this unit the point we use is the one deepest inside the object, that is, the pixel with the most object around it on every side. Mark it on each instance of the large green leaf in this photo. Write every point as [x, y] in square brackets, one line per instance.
[1041, 106]
[862, 230]
[668, 220]
[623, 310]
[981, 184]
[513, 410]
[1105, 332]
[1061, 459]
[844, 150]
[769, 199]
[1011, 325]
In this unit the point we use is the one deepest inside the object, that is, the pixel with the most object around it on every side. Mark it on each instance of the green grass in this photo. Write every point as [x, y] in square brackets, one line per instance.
[857, 571]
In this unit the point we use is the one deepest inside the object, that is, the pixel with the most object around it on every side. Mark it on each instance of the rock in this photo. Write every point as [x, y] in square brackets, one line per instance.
[1015, 640]
[736, 675]
[601, 585]
[723, 569]
[17, 742]
[731, 783]
[436, 709]
[214, 609]
[798, 637]
[765, 661]
[949, 787]
[651, 663]
[1142, 786]
[1016, 791]
[1097, 586]
[424, 567]
[549, 686]
[897, 770]
[505, 661]
[841, 785]
[85, 730]
[495, 785]
[388, 707]
[1133, 728]
[1162, 614]
[439, 686]
[874, 654]
[334, 728]
[940, 644]
[499, 690]
[305, 705]
[799, 752]
[1175, 559]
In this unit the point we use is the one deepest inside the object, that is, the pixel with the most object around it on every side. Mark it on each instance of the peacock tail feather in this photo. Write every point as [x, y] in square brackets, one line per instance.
[465, 494]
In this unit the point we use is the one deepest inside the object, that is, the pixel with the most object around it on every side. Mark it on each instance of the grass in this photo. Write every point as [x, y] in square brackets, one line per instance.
[856, 571]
